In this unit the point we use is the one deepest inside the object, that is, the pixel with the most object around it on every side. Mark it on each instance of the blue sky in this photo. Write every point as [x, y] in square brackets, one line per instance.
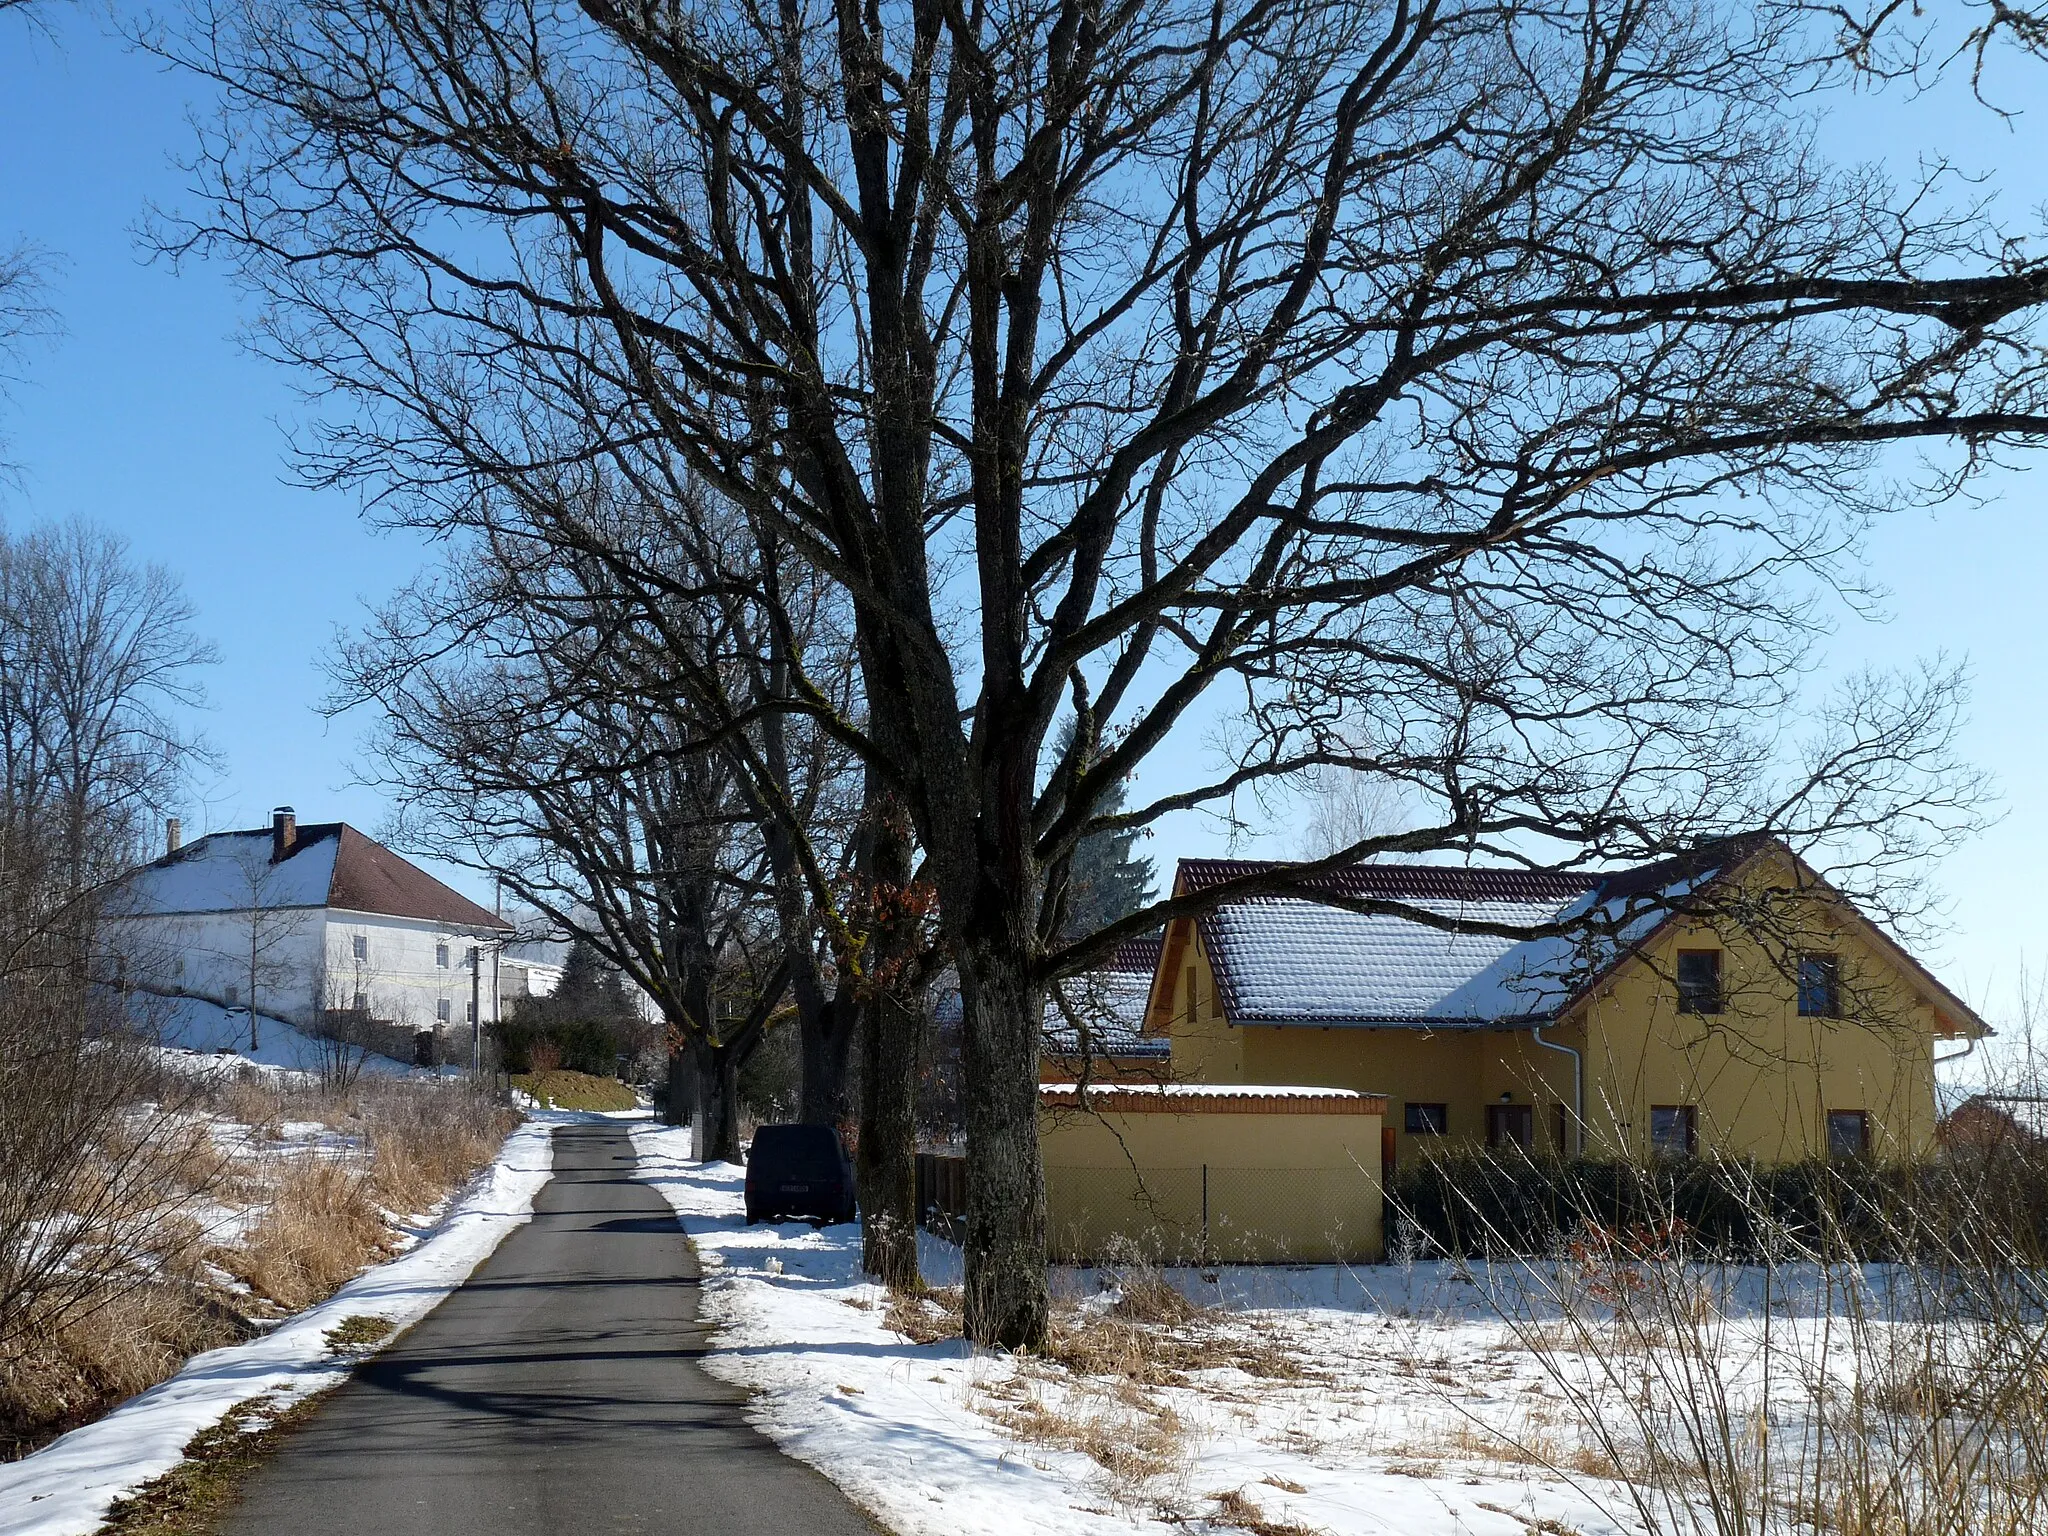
[147, 416]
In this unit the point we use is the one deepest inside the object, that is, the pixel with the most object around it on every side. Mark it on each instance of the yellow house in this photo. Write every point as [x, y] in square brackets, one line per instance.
[1729, 1004]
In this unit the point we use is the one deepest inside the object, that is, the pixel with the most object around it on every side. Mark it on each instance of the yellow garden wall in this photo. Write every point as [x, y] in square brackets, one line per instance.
[1294, 1184]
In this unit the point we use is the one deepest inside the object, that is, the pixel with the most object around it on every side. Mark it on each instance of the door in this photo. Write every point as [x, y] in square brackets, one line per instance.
[1510, 1125]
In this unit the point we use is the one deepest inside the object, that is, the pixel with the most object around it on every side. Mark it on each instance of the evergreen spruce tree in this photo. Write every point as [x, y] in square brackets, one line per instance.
[1109, 880]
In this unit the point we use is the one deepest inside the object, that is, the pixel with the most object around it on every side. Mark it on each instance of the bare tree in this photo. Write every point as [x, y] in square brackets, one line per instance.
[1472, 395]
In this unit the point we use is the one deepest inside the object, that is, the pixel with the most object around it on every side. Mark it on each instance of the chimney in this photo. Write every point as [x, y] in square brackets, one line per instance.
[174, 836]
[284, 833]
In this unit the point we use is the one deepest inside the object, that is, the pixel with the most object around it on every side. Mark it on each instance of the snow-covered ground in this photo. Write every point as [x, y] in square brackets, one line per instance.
[198, 1035]
[1370, 1426]
[65, 1488]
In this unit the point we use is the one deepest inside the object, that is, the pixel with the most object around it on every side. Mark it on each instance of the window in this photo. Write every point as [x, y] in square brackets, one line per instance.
[441, 956]
[362, 1002]
[1428, 1119]
[1848, 1133]
[361, 946]
[1699, 981]
[1674, 1130]
[1820, 986]
[1191, 994]
[234, 996]
[441, 1011]
[469, 1013]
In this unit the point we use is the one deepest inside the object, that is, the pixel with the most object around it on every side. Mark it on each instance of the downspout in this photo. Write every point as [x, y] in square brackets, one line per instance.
[1578, 1088]
[1962, 1055]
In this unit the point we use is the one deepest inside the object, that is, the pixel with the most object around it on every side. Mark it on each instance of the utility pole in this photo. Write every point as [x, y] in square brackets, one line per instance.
[476, 1012]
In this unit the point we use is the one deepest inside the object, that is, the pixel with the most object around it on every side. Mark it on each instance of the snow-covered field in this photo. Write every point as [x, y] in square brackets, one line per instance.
[1361, 1414]
[65, 1488]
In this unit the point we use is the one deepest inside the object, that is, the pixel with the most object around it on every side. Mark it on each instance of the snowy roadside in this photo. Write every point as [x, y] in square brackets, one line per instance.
[65, 1488]
[1366, 1426]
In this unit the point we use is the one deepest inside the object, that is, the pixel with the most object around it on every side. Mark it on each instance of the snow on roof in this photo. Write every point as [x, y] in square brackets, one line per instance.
[330, 864]
[1213, 1098]
[1288, 959]
[1110, 1006]
[232, 872]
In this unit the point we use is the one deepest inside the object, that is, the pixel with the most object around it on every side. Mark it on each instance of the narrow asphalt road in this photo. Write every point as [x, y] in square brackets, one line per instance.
[560, 1391]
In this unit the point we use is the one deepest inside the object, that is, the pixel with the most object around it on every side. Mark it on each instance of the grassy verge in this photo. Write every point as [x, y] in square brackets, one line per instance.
[191, 1498]
[574, 1090]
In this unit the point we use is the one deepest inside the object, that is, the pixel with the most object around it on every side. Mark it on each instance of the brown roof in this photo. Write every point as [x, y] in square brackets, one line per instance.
[368, 877]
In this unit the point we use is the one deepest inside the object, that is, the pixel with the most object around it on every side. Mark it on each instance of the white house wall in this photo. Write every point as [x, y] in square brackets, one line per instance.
[208, 955]
[400, 976]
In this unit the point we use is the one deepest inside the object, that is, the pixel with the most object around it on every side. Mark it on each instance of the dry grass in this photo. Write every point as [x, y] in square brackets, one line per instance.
[1138, 1443]
[927, 1317]
[324, 1218]
[1158, 1343]
[322, 1228]
[135, 1338]
[1234, 1509]
[357, 1333]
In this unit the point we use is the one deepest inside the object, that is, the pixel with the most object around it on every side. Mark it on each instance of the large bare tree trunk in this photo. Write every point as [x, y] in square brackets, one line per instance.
[1007, 1301]
[825, 1035]
[680, 1096]
[717, 1070]
[891, 1035]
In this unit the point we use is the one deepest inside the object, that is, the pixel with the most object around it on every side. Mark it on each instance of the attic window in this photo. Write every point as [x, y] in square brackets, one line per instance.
[1699, 981]
[1820, 987]
[361, 945]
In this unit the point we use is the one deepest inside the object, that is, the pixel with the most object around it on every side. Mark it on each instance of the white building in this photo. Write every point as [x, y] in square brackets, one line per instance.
[302, 922]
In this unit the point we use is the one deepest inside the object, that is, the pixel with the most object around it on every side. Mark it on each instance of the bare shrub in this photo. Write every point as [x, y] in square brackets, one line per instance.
[1790, 1384]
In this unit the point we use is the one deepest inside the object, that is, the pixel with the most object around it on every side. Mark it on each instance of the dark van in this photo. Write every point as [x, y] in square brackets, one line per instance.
[800, 1173]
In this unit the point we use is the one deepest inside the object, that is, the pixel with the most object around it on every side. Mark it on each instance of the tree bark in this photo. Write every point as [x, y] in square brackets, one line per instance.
[718, 1084]
[1007, 1300]
[680, 1095]
[891, 1034]
[826, 1039]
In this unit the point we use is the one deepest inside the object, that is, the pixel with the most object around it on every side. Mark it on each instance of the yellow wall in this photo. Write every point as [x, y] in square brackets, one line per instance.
[1281, 1186]
[1760, 1077]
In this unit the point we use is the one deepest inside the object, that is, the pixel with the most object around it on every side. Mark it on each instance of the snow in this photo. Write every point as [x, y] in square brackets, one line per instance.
[912, 1432]
[201, 1036]
[232, 872]
[1287, 960]
[1292, 960]
[65, 1488]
